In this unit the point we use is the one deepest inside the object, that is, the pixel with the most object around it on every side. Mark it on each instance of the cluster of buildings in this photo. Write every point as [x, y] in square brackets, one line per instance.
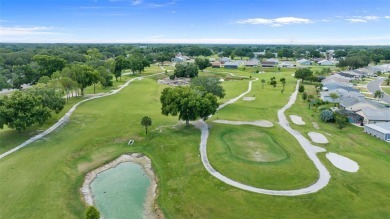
[359, 110]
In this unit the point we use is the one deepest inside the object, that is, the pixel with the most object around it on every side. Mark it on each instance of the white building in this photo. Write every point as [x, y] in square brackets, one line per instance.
[379, 130]
[326, 62]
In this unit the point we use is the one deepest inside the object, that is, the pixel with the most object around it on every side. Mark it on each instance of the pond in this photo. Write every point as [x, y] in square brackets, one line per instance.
[121, 192]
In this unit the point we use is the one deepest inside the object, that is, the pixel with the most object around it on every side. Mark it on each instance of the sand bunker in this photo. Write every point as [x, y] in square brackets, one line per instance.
[261, 123]
[343, 163]
[318, 137]
[249, 98]
[297, 120]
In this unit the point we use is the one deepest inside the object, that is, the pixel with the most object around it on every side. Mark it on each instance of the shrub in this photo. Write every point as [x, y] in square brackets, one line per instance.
[326, 115]
[92, 213]
[172, 77]
[304, 95]
[301, 88]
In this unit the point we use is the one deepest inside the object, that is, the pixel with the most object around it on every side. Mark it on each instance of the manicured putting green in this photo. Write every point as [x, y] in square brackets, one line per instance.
[254, 146]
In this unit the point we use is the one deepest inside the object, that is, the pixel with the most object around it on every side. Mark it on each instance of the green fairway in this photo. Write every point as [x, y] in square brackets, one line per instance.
[43, 179]
[253, 146]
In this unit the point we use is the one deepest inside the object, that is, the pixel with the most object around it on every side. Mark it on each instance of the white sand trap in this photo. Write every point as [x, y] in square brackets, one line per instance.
[318, 137]
[297, 120]
[249, 98]
[343, 163]
[261, 123]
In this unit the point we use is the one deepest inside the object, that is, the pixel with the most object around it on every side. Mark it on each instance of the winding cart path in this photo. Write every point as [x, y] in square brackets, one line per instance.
[310, 150]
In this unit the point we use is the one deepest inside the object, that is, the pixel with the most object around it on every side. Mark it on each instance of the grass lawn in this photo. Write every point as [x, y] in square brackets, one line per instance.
[386, 90]
[43, 179]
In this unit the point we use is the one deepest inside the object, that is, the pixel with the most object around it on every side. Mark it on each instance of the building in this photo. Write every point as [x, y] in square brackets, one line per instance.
[286, 64]
[224, 59]
[304, 62]
[326, 62]
[178, 59]
[231, 65]
[252, 63]
[268, 64]
[373, 116]
[216, 64]
[379, 130]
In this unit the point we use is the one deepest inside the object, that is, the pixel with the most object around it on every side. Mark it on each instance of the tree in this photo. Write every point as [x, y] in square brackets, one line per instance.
[303, 73]
[92, 213]
[188, 70]
[262, 82]
[188, 103]
[120, 64]
[83, 74]
[354, 62]
[378, 94]
[283, 81]
[48, 97]
[304, 95]
[105, 76]
[21, 110]
[208, 85]
[326, 115]
[341, 121]
[49, 64]
[301, 88]
[334, 96]
[273, 83]
[310, 99]
[202, 63]
[388, 80]
[146, 121]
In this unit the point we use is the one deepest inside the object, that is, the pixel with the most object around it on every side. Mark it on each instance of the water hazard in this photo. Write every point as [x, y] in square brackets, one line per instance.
[120, 192]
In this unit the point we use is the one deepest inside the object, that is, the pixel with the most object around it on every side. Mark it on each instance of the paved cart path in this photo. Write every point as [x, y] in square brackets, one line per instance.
[310, 150]
[66, 117]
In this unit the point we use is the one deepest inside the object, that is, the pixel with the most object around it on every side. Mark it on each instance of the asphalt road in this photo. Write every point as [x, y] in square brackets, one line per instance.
[375, 85]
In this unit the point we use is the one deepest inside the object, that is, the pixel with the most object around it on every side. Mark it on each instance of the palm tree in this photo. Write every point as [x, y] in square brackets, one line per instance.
[378, 94]
[283, 80]
[263, 82]
[310, 98]
[334, 96]
[146, 121]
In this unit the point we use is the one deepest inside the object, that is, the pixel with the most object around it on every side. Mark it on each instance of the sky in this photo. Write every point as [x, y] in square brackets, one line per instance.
[319, 22]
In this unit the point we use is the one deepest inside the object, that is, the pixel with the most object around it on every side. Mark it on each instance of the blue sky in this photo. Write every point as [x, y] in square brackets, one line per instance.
[348, 22]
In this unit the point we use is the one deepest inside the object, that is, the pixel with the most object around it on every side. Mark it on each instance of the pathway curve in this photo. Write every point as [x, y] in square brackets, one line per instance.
[66, 117]
[376, 85]
[310, 150]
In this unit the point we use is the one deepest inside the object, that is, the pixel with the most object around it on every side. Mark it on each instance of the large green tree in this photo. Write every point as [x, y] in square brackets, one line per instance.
[208, 85]
[21, 110]
[303, 73]
[188, 103]
[121, 63]
[378, 94]
[49, 64]
[202, 63]
[187, 70]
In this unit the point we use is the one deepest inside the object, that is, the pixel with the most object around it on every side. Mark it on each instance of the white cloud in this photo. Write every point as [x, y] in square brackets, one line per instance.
[277, 22]
[137, 2]
[387, 17]
[15, 31]
[356, 20]
[371, 18]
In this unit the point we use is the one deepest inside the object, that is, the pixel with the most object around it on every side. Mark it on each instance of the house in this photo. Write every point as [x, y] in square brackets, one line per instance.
[216, 64]
[273, 60]
[231, 65]
[326, 62]
[224, 59]
[351, 116]
[178, 59]
[252, 63]
[329, 86]
[286, 64]
[268, 64]
[304, 62]
[373, 116]
[341, 93]
[379, 130]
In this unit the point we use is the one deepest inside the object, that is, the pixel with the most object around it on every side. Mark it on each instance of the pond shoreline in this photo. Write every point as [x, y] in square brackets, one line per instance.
[151, 210]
